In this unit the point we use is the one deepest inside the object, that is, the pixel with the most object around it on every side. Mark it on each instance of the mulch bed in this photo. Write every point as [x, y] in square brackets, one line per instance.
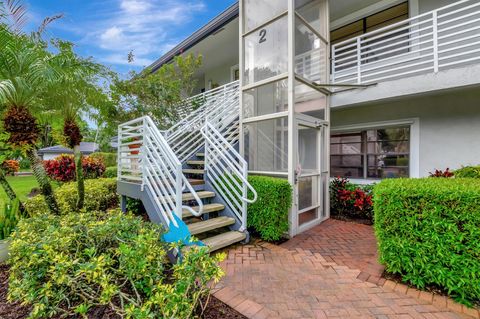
[352, 220]
[215, 309]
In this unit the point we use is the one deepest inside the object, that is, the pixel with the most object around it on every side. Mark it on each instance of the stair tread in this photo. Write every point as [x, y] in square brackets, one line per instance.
[193, 181]
[207, 208]
[201, 194]
[224, 240]
[195, 162]
[200, 154]
[193, 171]
[210, 224]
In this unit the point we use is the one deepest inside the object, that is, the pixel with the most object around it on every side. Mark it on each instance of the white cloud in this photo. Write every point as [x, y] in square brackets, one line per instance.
[148, 28]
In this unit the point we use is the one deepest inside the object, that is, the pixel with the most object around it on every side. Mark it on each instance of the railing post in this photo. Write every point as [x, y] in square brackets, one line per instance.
[244, 203]
[435, 40]
[142, 159]
[119, 154]
[359, 60]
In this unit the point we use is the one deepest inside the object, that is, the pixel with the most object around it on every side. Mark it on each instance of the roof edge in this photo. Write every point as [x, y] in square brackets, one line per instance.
[210, 28]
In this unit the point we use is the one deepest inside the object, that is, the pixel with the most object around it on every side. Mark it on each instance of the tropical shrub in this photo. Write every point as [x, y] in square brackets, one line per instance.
[428, 232]
[468, 172]
[350, 200]
[439, 173]
[268, 216]
[24, 163]
[9, 218]
[62, 168]
[110, 172]
[113, 259]
[100, 195]
[109, 159]
[10, 167]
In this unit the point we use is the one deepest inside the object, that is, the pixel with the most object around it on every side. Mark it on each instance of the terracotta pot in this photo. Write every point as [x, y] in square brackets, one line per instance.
[134, 146]
[4, 248]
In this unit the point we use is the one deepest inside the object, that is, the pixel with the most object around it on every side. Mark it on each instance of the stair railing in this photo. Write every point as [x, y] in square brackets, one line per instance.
[145, 157]
[227, 171]
[185, 137]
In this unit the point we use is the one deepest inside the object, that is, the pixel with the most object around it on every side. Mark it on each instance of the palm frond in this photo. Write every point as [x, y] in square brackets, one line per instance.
[47, 21]
[14, 13]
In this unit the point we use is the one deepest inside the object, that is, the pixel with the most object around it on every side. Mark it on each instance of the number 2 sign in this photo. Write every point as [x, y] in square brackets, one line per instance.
[263, 36]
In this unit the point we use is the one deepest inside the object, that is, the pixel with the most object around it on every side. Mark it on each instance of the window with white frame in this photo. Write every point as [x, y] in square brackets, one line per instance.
[371, 154]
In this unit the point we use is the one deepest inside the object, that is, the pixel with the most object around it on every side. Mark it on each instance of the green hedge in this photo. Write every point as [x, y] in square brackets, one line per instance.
[428, 231]
[110, 172]
[100, 194]
[269, 214]
[109, 159]
[468, 172]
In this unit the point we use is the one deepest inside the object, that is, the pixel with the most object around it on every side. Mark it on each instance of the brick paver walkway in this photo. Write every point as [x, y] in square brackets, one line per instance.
[348, 244]
[296, 280]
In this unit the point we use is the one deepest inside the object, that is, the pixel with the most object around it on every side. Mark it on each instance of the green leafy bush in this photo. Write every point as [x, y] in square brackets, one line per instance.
[269, 214]
[110, 172]
[428, 231]
[109, 159]
[68, 264]
[100, 194]
[9, 218]
[468, 172]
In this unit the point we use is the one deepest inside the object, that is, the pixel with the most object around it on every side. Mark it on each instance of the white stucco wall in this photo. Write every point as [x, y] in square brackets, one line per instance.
[449, 126]
[220, 75]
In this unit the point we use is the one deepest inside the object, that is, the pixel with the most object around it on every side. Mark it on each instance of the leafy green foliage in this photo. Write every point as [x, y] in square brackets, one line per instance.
[269, 214]
[100, 195]
[428, 231]
[113, 259]
[468, 172]
[109, 159]
[9, 218]
[110, 172]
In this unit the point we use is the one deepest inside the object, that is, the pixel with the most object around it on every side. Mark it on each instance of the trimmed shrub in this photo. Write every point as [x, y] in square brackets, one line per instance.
[468, 172]
[109, 159]
[100, 195]
[110, 172]
[428, 231]
[68, 264]
[62, 168]
[350, 200]
[268, 216]
[10, 167]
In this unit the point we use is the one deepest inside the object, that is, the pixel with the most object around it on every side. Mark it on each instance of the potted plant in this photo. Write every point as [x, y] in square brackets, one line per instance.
[8, 221]
[134, 148]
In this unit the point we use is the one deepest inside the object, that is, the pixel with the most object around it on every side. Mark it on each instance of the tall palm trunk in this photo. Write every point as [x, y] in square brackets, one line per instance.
[43, 181]
[79, 176]
[12, 196]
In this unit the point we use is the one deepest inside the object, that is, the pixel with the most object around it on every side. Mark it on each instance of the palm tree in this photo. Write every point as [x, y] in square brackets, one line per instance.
[26, 71]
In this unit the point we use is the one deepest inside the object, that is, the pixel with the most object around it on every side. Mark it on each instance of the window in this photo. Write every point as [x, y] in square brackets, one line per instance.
[370, 23]
[376, 153]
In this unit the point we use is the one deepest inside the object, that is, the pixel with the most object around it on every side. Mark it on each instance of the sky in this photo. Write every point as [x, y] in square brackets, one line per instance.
[108, 30]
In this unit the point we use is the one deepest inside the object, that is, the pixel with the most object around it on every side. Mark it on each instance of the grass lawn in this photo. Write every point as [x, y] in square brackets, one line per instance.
[22, 185]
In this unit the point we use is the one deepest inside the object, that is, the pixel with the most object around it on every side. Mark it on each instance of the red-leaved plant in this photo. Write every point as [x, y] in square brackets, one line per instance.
[10, 167]
[349, 200]
[439, 173]
[62, 168]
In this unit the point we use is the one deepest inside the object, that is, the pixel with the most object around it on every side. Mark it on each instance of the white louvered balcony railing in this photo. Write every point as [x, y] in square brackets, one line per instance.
[444, 38]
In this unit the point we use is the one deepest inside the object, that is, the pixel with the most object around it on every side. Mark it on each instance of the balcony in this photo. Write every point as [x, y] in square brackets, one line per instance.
[442, 39]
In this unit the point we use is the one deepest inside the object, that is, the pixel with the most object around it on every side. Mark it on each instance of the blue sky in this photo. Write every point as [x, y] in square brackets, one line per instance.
[108, 30]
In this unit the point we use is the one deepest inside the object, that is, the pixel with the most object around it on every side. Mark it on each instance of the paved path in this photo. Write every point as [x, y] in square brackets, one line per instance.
[311, 276]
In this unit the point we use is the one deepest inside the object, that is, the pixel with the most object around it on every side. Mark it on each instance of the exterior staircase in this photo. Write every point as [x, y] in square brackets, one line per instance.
[192, 172]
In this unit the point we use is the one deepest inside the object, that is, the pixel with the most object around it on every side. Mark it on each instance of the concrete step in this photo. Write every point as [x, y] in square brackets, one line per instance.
[210, 224]
[194, 182]
[200, 154]
[201, 194]
[193, 171]
[224, 240]
[194, 162]
[207, 208]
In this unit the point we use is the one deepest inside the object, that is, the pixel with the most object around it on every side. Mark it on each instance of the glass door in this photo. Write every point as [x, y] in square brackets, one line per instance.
[309, 173]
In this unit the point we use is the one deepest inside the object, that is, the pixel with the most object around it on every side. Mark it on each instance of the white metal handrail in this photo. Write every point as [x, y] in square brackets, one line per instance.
[185, 137]
[436, 40]
[227, 171]
[145, 157]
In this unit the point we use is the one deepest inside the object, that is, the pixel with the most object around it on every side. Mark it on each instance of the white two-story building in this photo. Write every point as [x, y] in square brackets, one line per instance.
[364, 89]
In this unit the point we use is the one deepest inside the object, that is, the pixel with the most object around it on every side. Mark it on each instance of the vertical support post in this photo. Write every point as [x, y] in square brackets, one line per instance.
[435, 40]
[123, 203]
[178, 191]
[292, 158]
[119, 153]
[332, 64]
[241, 63]
[359, 60]
[142, 159]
